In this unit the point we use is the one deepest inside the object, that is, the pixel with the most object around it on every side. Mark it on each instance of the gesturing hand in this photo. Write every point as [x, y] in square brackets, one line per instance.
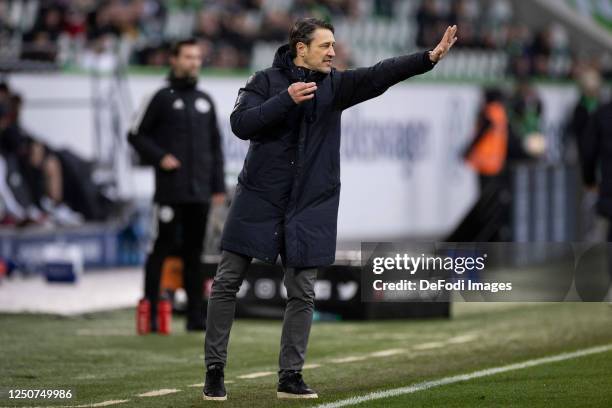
[445, 44]
[169, 162]
[302, 91]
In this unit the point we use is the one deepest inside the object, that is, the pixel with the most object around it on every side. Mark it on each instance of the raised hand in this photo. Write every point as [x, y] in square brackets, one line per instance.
[444, 45]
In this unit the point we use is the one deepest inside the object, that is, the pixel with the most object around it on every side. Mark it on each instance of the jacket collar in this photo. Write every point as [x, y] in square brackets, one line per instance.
[284, 61]
[181, 83]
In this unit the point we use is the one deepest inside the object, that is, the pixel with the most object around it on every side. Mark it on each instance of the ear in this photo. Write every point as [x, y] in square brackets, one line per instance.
[300, 49]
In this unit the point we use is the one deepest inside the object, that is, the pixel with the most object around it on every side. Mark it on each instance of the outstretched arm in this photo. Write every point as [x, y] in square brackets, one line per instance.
[361, 84]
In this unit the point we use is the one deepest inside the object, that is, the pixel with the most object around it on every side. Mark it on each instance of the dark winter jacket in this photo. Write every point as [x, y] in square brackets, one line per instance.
[596, 156]
[288, 192]
[181, 120]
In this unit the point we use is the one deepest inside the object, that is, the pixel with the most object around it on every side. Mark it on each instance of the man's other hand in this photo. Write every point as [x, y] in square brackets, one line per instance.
[169, 162]
[302, 91]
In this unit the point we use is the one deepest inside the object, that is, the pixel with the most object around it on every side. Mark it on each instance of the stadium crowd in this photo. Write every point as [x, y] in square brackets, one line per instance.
[76, 32]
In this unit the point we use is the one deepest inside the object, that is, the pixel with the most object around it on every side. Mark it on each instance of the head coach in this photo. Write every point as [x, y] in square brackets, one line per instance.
[286, 201]
[176, 132]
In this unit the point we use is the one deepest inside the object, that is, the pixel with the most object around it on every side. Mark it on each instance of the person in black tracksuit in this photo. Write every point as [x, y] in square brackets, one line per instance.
[288, 192]
[177, 133]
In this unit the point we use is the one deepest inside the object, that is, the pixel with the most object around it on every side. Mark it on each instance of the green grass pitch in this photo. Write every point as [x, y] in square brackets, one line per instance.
[101, 358]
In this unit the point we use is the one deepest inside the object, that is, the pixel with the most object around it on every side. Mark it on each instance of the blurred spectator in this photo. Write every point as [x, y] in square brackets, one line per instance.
[42, 180]
[208, 26]
[39, 166]
[526, 118]
[275, 26]
[487, 154]
[17, 205]
[590, 83]
[465, 14]
[517, 47]
[75, 24]
[238, 33]
[429, 19]
[100, 55]
[384, 8]
[6, 26]
[325, 9]
[577, 145]
[541, 50]
[548, 47]
[39, 47]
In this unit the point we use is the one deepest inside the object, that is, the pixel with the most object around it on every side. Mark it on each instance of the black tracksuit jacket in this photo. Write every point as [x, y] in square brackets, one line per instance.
[180, 119]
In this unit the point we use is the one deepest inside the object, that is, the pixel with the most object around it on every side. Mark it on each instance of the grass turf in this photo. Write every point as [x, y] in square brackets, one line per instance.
[101, 358]
[580, 382]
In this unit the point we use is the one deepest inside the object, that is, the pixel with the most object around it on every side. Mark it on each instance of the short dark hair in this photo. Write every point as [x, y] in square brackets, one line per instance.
[175, 50]
[302, 31]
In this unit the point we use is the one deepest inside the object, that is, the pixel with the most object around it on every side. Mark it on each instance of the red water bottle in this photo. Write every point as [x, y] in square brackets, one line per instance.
[143, 317]
[164, 316]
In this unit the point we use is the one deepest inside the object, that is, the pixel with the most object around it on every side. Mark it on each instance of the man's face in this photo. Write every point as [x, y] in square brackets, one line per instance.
[319, 54]
[188, 62]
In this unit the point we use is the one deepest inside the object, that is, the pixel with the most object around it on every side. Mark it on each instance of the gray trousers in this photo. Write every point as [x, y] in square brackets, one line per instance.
[222, 305]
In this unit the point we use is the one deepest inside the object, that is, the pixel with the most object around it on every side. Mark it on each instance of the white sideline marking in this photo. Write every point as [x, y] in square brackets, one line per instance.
[466, 338]
[158, 393]
[200, 385]
[348, 359]
[429, 346]
[105, 403]
[386, 353]
[307, 366]
[464, 377]
[257, 374]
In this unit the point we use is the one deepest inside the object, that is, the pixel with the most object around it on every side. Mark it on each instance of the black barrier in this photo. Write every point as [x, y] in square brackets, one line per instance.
[544, 202]
[338, 295]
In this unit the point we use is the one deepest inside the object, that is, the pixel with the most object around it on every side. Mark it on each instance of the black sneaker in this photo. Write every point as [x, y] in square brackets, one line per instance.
[292, 386]
[214, 388]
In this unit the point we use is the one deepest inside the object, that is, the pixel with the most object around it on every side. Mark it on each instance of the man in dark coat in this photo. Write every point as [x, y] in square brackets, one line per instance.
[177, 133]
[288, 192]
